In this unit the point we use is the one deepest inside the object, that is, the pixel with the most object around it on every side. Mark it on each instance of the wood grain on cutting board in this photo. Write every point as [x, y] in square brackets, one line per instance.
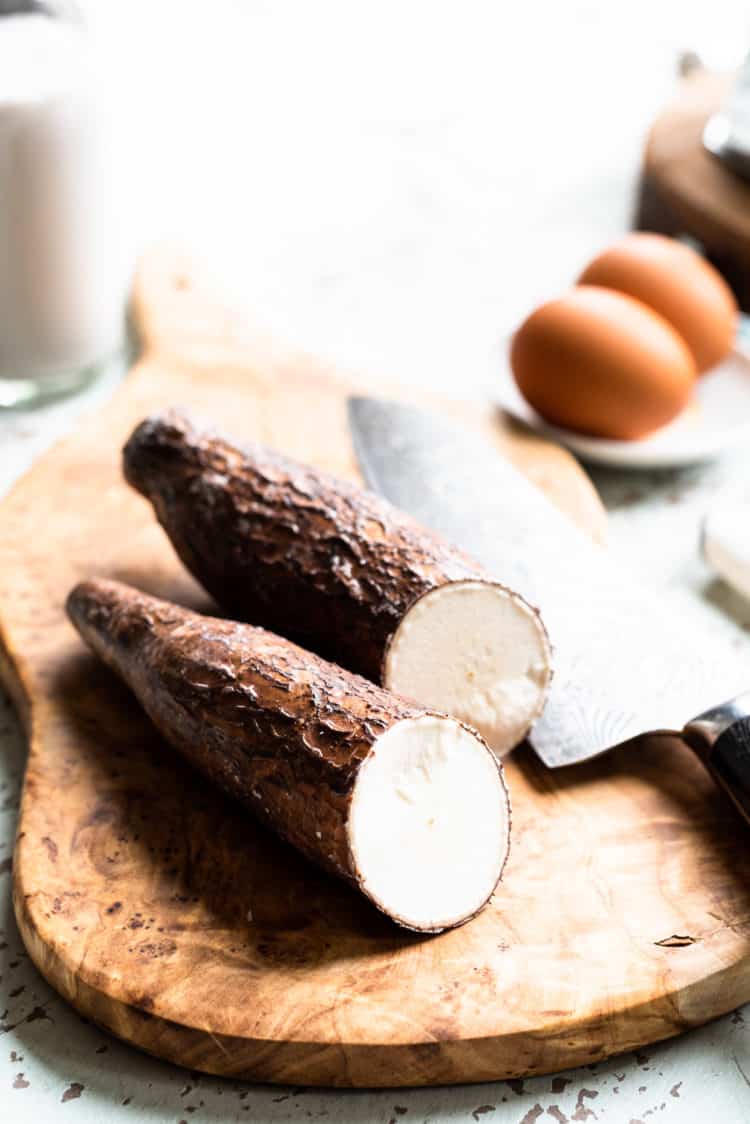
[161, 911]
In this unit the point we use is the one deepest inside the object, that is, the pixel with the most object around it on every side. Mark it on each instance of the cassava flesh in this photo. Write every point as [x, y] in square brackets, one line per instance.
[408, 805]
[341, 571]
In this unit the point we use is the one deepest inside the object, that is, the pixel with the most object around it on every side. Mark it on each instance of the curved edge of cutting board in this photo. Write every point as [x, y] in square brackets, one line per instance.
[623, 916]
[549, 1048]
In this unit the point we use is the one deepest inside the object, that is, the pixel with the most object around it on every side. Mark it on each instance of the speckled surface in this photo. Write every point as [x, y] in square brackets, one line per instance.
[393, 216]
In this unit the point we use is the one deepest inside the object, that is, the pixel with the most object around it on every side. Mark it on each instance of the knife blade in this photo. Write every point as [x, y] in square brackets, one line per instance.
[623, 667]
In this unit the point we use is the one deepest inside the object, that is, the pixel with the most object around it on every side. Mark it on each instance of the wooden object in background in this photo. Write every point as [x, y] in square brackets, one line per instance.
[624, 913]
[685, 191]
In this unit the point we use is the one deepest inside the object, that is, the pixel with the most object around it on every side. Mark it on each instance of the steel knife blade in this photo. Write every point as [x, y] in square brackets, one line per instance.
[622, 666]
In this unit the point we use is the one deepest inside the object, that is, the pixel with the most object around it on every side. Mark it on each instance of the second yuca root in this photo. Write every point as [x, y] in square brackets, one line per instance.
[409, 806]
[343, 572]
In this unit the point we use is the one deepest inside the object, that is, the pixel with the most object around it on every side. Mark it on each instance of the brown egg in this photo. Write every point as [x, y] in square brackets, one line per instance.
[678, 283]
[602, 363]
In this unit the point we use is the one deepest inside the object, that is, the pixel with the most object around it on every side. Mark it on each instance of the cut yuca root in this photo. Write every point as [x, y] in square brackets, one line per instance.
[477, 651]
[409, 806]
[342, 571]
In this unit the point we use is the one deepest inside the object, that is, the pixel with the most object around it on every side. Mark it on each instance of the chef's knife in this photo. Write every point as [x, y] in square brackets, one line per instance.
[622, 667]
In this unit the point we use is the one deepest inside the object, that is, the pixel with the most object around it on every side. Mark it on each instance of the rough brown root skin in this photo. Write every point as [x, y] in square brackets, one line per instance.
[285, 546]
[317, 559]
[276, 727]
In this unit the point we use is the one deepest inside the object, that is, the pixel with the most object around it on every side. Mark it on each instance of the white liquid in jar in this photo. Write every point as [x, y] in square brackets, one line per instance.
[61, 267]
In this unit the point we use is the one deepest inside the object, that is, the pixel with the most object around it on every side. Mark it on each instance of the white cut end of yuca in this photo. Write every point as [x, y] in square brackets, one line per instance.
[477, 651]
[429, 823]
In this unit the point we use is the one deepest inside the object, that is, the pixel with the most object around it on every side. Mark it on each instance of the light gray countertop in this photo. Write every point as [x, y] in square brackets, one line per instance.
[391, 186]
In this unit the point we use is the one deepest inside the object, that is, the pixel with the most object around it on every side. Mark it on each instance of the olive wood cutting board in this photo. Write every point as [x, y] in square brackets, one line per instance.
[162, 912]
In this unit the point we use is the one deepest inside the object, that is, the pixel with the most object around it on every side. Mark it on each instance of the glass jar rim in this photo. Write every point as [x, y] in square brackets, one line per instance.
[67, 10]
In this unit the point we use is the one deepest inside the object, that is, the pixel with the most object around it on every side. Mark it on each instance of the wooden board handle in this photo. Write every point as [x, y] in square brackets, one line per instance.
[178, 309]
[190, 330]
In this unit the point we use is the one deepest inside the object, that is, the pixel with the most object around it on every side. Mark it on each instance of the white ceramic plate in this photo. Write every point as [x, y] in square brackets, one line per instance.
[717, 418]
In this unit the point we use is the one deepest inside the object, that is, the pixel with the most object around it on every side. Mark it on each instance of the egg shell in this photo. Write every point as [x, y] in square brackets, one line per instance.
[676, 282]
[601, 363]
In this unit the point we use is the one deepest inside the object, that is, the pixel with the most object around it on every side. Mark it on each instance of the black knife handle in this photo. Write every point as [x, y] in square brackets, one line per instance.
[729, 762]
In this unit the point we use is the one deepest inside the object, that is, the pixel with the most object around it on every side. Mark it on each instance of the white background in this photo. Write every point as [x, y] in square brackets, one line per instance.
[390, 186]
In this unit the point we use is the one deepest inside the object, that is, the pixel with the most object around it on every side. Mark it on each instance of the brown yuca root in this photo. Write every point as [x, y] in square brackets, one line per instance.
[409, 806]
[343, 572]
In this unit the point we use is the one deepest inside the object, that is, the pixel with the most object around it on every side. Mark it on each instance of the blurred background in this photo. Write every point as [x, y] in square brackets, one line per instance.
[394, 185]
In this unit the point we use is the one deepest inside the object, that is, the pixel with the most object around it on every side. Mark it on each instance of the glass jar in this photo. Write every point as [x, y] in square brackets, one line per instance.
[62, 281]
